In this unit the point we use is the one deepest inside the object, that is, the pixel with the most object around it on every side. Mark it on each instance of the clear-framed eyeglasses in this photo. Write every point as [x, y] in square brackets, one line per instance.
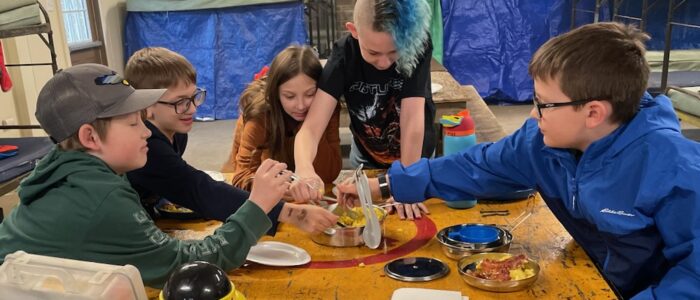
[182, 105]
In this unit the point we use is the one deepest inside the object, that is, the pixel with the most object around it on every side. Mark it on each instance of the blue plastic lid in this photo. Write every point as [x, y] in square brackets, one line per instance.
[475, 234]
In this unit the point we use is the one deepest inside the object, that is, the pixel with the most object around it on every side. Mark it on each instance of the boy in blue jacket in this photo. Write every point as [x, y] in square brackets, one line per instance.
[614, 170]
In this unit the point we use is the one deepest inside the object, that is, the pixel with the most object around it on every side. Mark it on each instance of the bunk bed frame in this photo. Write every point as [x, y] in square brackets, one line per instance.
[684, 99]
[647, 5]
[673, 6]
[46, 34]
[14, 169]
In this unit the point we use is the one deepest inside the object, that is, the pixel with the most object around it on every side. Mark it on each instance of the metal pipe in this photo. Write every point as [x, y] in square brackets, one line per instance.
[573, 13]
[667, 46]
[643, 21]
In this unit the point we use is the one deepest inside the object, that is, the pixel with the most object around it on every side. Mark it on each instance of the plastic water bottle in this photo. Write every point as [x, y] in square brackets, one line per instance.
[458, 133]
[460, 136]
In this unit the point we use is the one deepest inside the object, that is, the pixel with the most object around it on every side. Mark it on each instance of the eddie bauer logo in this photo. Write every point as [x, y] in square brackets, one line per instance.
[616, 212]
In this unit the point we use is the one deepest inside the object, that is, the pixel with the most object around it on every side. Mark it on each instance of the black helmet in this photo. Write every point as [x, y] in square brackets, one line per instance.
[198, 280]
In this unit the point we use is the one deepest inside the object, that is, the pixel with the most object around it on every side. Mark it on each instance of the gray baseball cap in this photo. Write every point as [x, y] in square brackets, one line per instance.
[83, 93]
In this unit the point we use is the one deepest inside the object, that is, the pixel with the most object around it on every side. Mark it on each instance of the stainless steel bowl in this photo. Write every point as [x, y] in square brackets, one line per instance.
[456, 249]
[337, 236]
[474, 245]
[495, 285]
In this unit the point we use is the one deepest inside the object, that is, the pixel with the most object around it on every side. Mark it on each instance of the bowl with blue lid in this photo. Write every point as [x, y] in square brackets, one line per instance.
[463, 240]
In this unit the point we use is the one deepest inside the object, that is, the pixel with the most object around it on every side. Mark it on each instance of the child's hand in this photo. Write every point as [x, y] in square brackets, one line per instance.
[307, 189]
[408, 211]
[347, 193]
[309, 218]
[270, 184]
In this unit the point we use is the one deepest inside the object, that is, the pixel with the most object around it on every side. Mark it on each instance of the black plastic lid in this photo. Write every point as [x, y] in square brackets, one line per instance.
[416, 269]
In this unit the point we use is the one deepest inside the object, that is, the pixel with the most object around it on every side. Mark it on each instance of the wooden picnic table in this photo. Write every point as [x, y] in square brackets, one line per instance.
[358, 272]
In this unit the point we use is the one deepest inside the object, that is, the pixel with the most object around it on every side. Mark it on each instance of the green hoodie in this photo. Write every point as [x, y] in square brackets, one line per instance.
[74, 206]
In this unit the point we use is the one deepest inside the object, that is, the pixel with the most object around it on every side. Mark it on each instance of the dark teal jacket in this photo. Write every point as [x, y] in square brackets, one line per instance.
[74, 206]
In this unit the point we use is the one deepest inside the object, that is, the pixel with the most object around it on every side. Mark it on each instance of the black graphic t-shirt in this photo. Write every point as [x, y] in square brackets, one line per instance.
[373, 98]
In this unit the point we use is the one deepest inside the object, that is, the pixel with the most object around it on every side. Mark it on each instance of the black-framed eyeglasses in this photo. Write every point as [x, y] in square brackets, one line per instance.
[182, 105]
[539, 106]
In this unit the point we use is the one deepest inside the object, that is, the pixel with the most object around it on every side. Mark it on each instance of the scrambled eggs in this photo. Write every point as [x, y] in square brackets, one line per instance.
[348, 221]
[170, 207]
[521, 273]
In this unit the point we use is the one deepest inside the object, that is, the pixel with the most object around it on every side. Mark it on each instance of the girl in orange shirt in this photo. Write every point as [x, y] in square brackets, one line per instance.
[273, 108]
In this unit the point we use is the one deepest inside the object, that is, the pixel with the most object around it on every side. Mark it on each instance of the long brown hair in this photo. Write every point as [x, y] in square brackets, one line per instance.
[262, 96]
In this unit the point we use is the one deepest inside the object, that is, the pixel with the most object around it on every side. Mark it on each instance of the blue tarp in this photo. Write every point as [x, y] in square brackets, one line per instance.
[226, 46]
[489, 44]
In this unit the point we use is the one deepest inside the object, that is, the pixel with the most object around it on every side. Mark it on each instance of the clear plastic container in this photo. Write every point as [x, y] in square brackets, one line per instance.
[29, 276]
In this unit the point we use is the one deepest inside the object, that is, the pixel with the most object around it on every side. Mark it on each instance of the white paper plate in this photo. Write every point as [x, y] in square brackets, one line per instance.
[218, 176]
[435, 87]
[280, 254]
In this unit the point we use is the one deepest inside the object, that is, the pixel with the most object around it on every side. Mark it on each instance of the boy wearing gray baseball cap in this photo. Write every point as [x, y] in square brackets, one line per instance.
[78, 204]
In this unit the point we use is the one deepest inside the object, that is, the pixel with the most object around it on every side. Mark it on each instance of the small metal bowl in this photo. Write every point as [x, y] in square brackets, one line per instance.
[343, 236]
[455, 249]
[495, 285]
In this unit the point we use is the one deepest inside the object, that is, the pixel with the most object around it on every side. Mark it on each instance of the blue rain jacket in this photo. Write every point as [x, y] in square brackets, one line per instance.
[632, 201]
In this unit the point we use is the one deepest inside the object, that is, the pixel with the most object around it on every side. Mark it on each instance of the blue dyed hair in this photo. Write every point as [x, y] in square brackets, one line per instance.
[408, 22]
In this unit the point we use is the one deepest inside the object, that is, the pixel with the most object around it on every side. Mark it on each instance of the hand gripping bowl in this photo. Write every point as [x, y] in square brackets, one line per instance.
[338, 236]
[463, 240]
[470, 262]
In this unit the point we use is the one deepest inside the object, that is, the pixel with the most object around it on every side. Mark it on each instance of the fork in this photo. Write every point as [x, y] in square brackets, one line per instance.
[338, 210]
[296, 177]
[342, 209]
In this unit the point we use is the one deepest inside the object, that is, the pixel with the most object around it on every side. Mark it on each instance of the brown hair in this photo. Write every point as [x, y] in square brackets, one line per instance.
[252, 102]
[602, 61]
[73, 142]
[262, 95]
[158, 68]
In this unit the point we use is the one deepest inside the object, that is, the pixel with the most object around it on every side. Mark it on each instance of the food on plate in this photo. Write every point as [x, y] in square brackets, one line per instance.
[173, 208]
[509, 268]
[348, 221]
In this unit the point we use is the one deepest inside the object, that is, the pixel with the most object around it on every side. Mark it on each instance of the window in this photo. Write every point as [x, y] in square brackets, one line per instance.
[77, 21]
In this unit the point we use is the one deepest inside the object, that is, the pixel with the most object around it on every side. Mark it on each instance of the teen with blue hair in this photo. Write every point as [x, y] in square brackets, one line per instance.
[382, 69]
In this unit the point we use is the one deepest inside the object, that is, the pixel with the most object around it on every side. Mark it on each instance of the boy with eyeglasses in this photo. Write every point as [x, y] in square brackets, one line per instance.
[166, 174]
[614, 170]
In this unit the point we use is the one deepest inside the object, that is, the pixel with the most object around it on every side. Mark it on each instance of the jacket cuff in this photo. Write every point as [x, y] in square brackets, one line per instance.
[274, 215]
[408, 184]
[253, 218]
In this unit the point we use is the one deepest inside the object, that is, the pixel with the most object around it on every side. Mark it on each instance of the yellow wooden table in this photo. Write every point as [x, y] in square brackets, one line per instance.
[358, 272]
